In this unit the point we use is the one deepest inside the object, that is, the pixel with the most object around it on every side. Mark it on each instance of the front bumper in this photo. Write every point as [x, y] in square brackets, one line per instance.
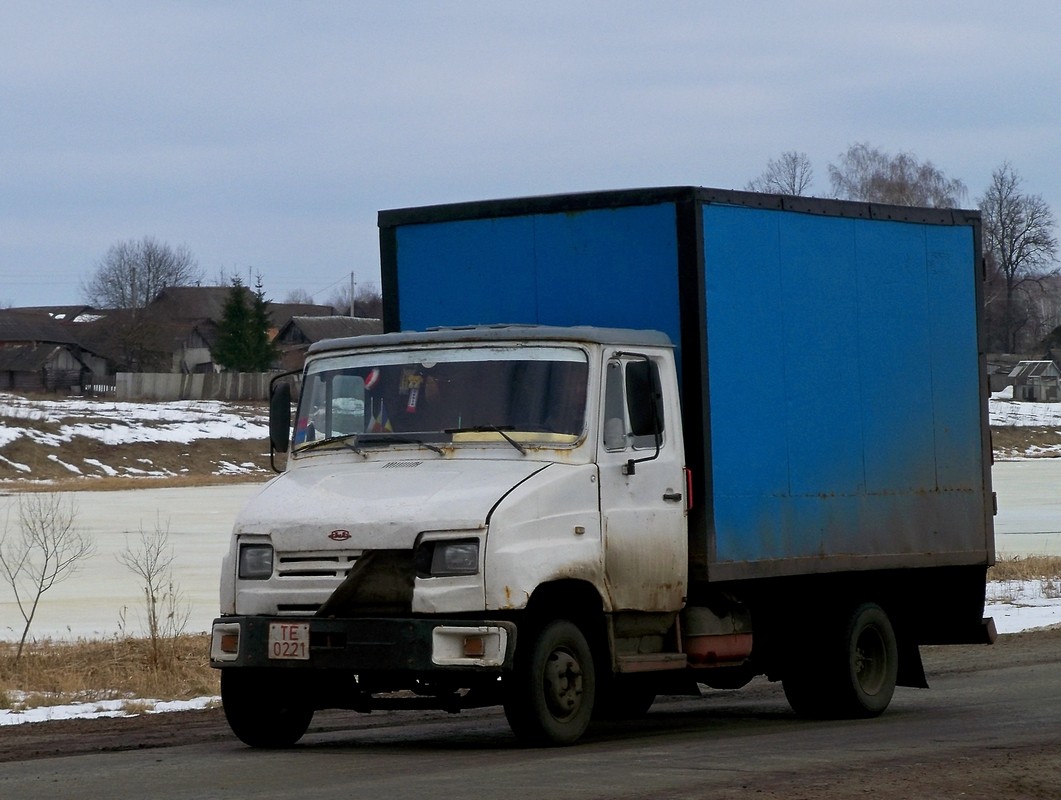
[369, 645]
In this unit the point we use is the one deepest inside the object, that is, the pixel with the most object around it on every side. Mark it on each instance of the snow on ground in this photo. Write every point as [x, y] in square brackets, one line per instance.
[1024, 605]
[109, 422]
[1005, 412]
[54, 423]
[103, 708]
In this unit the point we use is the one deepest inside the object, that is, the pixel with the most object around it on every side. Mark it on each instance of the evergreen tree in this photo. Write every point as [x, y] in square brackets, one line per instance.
[231, 350]
[243, 343]
[263, 351]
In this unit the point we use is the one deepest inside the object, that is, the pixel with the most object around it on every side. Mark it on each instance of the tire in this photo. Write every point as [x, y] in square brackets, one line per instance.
[549, 696]
[853, 673]
[872, 664]
[262, 710]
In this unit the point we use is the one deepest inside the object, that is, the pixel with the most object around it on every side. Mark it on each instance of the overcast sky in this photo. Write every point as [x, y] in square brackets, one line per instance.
[265, 136]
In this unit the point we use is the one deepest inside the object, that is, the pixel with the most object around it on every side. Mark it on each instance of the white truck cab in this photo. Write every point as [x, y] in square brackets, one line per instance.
[448, 495]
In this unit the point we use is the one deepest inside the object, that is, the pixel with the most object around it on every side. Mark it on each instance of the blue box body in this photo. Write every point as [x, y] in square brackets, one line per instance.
[833, 386]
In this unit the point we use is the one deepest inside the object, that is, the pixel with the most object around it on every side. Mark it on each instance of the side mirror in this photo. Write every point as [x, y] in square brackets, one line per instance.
[280, 417]
[644, 398]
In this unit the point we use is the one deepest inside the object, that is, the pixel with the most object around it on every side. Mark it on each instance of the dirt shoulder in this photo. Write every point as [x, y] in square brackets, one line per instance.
[30, 741]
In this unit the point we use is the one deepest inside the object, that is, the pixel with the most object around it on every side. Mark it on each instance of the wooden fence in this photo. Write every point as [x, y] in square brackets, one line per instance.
[136, 386]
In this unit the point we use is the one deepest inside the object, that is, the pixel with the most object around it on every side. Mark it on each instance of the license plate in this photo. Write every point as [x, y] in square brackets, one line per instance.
[289, 640]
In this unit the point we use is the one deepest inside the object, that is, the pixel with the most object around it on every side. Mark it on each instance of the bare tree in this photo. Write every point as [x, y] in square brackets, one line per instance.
[151, 560]
[128, 277]
[367, 301]
[298, 296]
[1020, 249]
[46, 549]
[132, 273]
[790, 174]
[869, 174]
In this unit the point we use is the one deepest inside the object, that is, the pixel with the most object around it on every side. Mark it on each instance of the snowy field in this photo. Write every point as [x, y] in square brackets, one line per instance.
[54, 423]
[1005, 411]
[108, 422]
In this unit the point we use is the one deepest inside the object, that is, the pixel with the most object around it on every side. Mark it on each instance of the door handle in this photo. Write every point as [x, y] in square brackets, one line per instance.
[673, 497]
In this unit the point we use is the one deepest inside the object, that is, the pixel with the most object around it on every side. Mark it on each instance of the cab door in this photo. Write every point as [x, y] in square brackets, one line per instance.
[642, 484]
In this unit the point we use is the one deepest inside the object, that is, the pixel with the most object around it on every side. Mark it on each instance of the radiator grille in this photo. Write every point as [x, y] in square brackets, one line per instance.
[325, 564]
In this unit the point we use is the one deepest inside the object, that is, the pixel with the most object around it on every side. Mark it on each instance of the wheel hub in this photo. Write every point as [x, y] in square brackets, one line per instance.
[870, 661]
[563, 683]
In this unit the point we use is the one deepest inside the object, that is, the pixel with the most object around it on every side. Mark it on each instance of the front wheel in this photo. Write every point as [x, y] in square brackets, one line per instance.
[262, 710]
[550, 694]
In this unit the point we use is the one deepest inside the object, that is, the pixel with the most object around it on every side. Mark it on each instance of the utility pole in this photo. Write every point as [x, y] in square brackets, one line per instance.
[353, 289]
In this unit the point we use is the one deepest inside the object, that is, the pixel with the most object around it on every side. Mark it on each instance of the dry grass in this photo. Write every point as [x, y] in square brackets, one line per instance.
[51, 673]
[1026, 568]
[1025, 442]
[131, 466]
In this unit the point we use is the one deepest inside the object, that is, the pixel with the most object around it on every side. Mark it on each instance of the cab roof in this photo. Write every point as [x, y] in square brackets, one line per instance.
[499, 333]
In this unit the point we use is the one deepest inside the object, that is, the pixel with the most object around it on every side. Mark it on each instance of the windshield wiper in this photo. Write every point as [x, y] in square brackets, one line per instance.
[343, 439]
[330, 440]
[351, 441]
[491, 429]
[381, 436]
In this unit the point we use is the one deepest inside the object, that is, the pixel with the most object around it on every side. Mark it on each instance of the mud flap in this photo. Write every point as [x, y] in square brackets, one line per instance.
[911, 668]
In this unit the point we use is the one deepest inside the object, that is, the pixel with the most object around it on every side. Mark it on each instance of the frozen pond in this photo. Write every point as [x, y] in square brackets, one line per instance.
[91, 601]
[199, 520]
[1029, 507]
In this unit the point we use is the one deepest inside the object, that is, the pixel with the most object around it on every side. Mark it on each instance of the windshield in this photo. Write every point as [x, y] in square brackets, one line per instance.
[514, 395]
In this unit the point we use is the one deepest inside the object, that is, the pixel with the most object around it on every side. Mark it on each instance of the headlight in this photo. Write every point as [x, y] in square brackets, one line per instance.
[446, 558]
[255, 561]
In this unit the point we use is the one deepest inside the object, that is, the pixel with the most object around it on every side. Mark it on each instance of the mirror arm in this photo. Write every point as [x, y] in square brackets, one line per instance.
[630, 467]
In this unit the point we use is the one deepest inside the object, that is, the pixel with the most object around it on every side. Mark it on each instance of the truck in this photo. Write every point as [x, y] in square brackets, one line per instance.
[618, 445]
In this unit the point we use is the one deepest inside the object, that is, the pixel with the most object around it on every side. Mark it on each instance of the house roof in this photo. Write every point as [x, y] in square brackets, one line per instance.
[315, 329]
[28, 357]
[280, 313]
[59, 313]
[32, 328]
[1035, 369]
[189, 303]
[193, 303]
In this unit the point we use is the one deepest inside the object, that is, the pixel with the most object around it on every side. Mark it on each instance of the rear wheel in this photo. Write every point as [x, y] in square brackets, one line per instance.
[550, 694]
[872, 663]
[263, 709]
[852, 671]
